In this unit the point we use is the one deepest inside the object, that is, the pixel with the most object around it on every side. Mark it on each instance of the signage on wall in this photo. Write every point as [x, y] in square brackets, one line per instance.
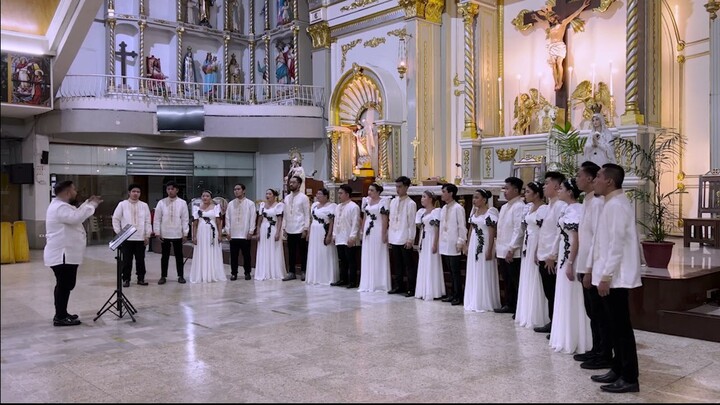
[25, 80]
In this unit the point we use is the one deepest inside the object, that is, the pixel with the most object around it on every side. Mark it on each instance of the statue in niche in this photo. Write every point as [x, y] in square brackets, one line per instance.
[156, 84]
[366, 145]
[284, 64]
[598, 147]
[234, 77]
[210, 68]
[187, 73]
[235, 16]
[263, 69]
[284, 12]
[204, 12]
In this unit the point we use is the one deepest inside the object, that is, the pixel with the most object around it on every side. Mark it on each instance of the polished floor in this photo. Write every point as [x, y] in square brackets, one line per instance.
[272, 341]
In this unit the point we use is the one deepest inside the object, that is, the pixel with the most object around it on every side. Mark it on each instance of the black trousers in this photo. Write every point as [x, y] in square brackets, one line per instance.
[453, 263]
[403, 264]
[548, 282]
[511, 276]
[65, 277]
[237, 246]
[596, 312]
[348, 263]
[165, 258]
[617, 311]
[296, 244]
[130, 249]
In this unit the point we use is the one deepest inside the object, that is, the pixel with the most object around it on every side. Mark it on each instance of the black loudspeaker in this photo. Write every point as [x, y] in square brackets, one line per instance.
[22, 173]
[44, 159]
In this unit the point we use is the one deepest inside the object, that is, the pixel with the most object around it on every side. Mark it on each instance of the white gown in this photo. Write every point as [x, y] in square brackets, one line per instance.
[482, 287]
[207, 260]
[570, 324]
[375, 258]
[322, 260]
[430, 282]
[532, 309]
[270, 258]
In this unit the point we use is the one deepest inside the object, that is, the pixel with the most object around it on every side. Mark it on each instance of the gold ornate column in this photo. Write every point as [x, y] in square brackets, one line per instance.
[253, 96]
[179, 11]
[111, 44]
[142, 8]
[179, 51]
[320, 34]
[141, 27]
[226, 60]
[251, 30]
[632, 115]
[469, 11]
[266, 80]
[296, 68]
[267, 15]
[334, 136]
[384, 132]
[226, 19]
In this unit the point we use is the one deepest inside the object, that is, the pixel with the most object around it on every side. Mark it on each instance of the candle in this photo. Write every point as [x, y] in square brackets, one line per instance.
[570, 71]
[611, 79]
[500, 92]
[518, 84]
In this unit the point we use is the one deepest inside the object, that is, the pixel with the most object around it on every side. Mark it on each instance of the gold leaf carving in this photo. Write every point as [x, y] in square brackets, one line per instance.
[374, 43]
[345, 49]
[357, 4]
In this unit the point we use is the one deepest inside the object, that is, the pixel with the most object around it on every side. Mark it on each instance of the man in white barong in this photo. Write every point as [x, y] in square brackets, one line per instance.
[240, 222]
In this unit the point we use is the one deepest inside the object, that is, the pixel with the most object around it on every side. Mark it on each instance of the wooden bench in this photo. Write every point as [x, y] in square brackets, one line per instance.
[705, 230]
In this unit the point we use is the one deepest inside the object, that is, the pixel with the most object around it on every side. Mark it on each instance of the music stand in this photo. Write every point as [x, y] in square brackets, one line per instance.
[121, 302]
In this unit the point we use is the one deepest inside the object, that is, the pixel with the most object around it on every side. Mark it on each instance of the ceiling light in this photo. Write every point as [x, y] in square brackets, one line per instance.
[193, 139]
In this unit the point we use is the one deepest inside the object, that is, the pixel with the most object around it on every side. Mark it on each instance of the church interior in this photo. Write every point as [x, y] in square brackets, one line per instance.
[211, 93]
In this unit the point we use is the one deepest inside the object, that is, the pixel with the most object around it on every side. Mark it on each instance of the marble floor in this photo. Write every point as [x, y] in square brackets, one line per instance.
[272, 341]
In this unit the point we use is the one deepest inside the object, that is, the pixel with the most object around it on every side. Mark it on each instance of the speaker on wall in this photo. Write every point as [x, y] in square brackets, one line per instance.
[44, 159]
[22, 173]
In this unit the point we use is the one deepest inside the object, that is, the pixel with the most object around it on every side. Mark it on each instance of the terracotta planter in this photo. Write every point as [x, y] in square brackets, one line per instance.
[657, 254]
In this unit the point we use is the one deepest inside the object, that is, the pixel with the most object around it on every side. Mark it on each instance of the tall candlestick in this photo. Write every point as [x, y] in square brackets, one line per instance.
[611, 79]
[518, 84]
[500, 100]
[570, 72]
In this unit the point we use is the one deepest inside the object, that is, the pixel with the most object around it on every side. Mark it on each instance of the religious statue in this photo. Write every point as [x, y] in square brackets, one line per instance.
[365, 150]
[284, 12]
[210, 68]
[598, 147]
[156, 84]
[234, 74]
[204, 12]
[235, 16]
[557, 50]
[296, 169]
[527, 108]
[284, 64]
[187, 73]
[590, 98]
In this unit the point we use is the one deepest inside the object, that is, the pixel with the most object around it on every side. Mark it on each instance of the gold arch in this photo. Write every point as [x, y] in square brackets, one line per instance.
[357, 90]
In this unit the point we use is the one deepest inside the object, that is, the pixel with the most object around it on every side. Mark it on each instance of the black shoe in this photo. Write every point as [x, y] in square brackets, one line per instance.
[181, 280]
[302, 278]
[73, 316]
[247, 276]
[162, 280]
[339, 283]
[440, 298]
[548, 336]
[607, 378]
[396, 290]
[543, 329]
[142, 282]
[513, 317]
[596, 363]
[621, 386]
[290, 276]
[350, 286]
[126, 283]
[67, 321]
[233, 277]
[585, 356]
[456, 302]
[410, 293]
[504, 310]
[448, 299]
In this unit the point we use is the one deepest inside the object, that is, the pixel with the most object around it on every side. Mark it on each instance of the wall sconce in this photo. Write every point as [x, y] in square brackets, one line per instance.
[402, 58]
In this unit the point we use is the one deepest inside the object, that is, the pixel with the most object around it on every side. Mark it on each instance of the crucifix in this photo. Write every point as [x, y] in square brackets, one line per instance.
[560, 15]
[123, 54]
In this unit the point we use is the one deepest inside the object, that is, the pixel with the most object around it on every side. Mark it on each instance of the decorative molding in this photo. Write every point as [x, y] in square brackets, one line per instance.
[400, 33]
[488, 157]
[430, 10]
[518, 21]
[712, 7]
[357, 4]
[374, 43]
[320, 34]
[369, 21]
[344, 51]
[506, 155]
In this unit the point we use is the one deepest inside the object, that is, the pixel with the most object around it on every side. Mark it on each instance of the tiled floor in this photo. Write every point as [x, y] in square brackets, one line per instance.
[272, 341]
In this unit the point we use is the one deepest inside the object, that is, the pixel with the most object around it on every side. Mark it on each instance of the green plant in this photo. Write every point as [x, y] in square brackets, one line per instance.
[569, 146]
[649, 163]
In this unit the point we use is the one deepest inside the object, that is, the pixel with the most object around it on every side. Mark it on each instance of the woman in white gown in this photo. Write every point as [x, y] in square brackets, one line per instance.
[570, 325]
[270, 258]
[482, 288]
[532, 307]
[322, 258]
[375, 257]
[430, 282]
[207, 261]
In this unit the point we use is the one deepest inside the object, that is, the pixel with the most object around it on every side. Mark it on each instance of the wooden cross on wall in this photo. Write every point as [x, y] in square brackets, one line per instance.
[559, 17]
[123, 54]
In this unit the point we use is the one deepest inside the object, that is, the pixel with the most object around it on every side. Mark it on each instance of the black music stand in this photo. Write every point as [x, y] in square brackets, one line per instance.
[121, 302]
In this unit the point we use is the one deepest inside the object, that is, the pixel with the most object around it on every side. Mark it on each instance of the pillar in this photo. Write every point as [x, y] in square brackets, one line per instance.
[471, 161]
[469, 11]
[36, 197]
[712, 7]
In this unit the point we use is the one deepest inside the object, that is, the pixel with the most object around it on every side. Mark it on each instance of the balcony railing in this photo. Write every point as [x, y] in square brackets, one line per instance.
[172, 92]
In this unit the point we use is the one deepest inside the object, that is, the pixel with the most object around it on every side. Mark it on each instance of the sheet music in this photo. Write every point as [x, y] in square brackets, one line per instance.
[125, 233]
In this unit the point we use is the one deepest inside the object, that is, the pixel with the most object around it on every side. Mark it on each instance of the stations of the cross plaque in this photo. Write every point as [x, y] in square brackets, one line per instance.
[122, 53]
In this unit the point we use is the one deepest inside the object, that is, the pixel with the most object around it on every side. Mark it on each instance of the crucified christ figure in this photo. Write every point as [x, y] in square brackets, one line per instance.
[557, 50]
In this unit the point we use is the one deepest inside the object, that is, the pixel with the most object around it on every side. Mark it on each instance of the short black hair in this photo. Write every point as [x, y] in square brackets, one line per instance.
[590, 168]
[172, 184]
[537, 188]
[346, 188]
[615, 172]
[325, 192]
[404, 180]
[557, 176]
[515, 182]
[242, 186]
[62, 186]
[451, 188]
[298, 178]
[134, 185]
[571, 186]
[377, 188]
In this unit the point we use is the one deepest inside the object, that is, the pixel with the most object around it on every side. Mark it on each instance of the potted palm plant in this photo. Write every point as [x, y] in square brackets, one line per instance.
[650, 163]
[569, 145]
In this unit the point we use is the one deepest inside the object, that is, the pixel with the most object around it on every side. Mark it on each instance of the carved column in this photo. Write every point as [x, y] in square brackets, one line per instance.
[179, 11]
[267, 15]
[253, 96]
[111, 53]
[296, 68]
[143, 13]
[384, 132]
[334, 136]
[226, 15]
[225, 93]
[469, 11]
[251, 31]
[179, 51]
[712, 8]
[143, 73]
[632, 115]
[266, 79]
